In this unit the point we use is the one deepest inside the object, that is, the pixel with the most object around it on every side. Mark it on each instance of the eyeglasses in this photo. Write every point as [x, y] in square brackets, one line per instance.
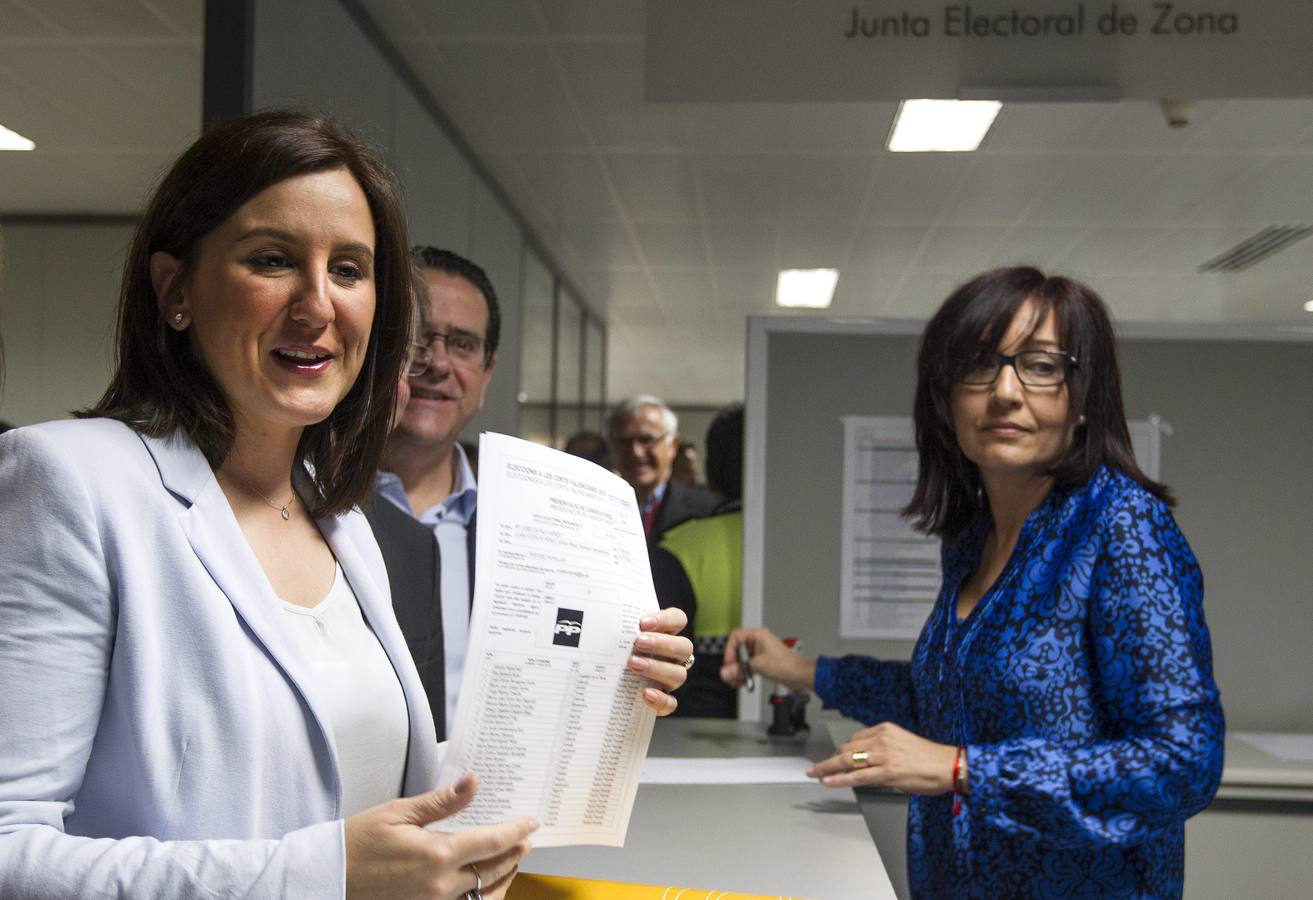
[464, 349]
[1034, 368]
[645, 441]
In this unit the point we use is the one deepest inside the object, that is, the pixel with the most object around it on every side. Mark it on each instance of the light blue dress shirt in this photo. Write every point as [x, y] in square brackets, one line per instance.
[450, 521]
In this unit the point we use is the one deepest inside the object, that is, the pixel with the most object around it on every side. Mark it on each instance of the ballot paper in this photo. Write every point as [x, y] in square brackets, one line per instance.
[549, 716]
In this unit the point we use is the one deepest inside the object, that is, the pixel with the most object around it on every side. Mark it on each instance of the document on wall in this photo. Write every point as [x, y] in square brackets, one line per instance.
[549, 716]
[890, 575]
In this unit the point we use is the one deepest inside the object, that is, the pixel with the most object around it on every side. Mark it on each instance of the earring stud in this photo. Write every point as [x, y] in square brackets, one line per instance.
[177, 318]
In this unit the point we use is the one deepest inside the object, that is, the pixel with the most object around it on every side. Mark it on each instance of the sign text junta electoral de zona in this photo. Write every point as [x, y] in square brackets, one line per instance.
[1163, 19]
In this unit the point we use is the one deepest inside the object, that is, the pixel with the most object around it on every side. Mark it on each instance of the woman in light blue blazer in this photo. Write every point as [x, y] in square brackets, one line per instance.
[203, 688]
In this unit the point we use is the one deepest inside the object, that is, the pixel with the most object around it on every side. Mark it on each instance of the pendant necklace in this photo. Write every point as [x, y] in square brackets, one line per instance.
[282, 508]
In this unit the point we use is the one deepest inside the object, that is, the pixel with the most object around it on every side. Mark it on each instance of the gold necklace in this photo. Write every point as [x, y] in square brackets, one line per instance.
[261, 494]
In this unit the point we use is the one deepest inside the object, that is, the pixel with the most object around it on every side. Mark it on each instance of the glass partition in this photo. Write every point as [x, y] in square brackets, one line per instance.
[536, 343]
[594, 375]
[569, 366]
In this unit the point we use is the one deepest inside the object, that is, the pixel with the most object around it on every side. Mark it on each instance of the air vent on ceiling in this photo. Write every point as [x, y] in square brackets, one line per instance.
[1255, 249]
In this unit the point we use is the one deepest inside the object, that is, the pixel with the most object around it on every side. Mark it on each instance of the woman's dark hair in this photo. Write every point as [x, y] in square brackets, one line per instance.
[725, 452]
[159, 386]
[968, 329]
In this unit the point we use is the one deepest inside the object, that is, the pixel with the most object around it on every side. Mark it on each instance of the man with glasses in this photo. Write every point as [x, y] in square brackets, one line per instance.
[643, 436]
[427, 474]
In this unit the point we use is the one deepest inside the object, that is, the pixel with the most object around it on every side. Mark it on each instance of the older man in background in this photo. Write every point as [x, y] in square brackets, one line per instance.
[643, 436]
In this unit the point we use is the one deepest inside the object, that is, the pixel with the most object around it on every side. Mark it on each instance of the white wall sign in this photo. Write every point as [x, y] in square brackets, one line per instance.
[819, 50]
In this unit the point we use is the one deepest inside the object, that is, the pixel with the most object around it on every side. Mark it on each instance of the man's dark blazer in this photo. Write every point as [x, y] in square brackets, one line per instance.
[410, 553]
[680, 504]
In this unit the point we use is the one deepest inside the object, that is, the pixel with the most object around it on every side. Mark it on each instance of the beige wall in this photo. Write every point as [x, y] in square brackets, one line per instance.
[58, 293]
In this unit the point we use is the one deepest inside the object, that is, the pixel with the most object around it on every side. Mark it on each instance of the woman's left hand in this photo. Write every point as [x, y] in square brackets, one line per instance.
[895, 758]
[659, 654]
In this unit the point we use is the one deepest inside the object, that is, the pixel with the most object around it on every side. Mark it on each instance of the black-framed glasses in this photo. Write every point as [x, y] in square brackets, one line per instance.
[1034, 368]
[463, 348]
[417, 360]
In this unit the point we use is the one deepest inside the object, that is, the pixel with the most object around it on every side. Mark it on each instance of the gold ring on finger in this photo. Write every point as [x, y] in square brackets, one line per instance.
[860, 758]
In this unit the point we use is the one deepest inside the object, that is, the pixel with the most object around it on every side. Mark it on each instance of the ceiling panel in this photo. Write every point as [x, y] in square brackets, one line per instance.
[744, 244]
[672, 246]
[814, 244]
[826, 188]
[913, 188]
[464, 19]
[736, 127]
[1000, 188]
[103, 19]
[1043, 127]
[571, 186]
[23, 20]
[961, 248]
[749, 291]
[1112, 248]
[654, 188]
[890, 248]
[573, 19]
[599, 242]
[1031, 245]
[1089, 189]
[740, 188]
[1246, 126]
[1268, 194]
[838, 128]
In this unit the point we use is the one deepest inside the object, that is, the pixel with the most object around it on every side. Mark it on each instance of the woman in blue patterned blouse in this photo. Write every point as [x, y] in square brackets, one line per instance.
[1058, 721]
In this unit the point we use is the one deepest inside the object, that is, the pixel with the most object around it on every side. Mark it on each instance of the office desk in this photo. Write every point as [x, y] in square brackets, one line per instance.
[1256, 838]
[800, 839]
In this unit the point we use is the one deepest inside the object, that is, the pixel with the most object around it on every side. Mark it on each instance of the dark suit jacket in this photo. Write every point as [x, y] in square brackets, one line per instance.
[410, 553]
[680, 504]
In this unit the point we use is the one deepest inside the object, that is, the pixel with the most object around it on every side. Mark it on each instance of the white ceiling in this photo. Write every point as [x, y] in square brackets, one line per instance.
[675, 218]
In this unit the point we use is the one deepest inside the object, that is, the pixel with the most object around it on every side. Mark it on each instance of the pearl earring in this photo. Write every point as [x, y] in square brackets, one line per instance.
[1080, 420]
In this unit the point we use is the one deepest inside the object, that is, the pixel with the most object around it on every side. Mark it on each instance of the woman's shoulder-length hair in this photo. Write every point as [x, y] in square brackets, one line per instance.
[968, 328]
[159, 386]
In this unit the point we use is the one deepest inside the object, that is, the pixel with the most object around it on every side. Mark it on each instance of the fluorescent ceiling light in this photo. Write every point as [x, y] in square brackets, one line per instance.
[1308, 307]
[813, 288]
[12, 140]
[924, 126]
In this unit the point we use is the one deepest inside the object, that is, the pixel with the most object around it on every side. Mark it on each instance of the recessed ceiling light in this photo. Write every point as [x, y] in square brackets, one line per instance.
[937, 126]
[1308, 307]
[12, 140]
[812, 288]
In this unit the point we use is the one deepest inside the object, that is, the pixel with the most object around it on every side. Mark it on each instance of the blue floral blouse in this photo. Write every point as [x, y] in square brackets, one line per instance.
[1082, 685]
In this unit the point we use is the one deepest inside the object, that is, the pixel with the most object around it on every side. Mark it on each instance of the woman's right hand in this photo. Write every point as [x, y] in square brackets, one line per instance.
[390, 854]
[770, 657]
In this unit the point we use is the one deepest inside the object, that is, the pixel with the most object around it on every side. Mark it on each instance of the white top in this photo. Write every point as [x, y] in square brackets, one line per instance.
[361, 695]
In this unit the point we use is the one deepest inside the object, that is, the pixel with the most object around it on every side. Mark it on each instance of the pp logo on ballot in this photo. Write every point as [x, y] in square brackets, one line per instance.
[569, 625]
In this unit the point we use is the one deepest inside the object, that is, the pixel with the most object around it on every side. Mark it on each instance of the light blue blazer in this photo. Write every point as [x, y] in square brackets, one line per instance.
[160, 734]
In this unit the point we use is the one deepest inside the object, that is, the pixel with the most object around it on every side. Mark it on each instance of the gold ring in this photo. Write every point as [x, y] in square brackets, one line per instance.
[688, 663]
[860, 758]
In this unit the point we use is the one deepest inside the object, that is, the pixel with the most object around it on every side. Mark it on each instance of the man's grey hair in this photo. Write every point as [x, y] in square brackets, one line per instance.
[627, 409]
